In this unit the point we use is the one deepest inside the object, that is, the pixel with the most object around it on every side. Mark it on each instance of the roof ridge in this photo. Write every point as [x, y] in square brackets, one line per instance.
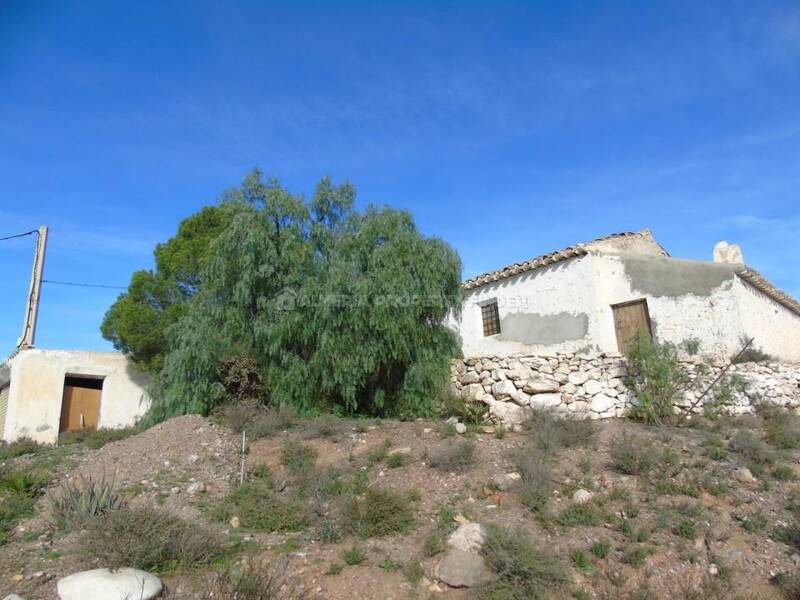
[762, 284]
[575, 250]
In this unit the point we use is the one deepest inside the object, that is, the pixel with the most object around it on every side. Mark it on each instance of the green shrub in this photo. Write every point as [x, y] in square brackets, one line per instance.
[455, 456]
[379, 452]
[749, 445]
[685, 529]
[537, 479]
[354, 556]
[633, 455]
[657, 379]
[550, 432]
[298, 458]
[259, 507]
[147, 539]
[581, 560]
[584, 515]
[379, 512]
[397, 460]
[754, 523]
[253, 580]
[787, 534]
[635, 555]
[782, 429]
[95, 438]
[784, 473]
[26, 482]
[325, 426]
[14, 508]
[269, 421]
[466, 411]
[20, 447]
[78, 501]
[523, 571]
[600, 549]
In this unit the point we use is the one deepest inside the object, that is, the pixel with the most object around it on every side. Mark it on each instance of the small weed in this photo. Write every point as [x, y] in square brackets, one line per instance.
[685, 529]
[635, 555]
[394, 461]
[389, 564]
[550, 432]
[585, 515]
[79, 501]
[754, 523]
[20, 447]
[298, 458]
[260, 508]
[354, 556]
[751, 447]
[413, 571]
[523, 570]
[95, 438]
[581, 560]
[329, 532]
[379, 453]
[499, 432]
[633, 455]
[784, 473]
[335, 569]
[253, 580]
[600, 549]
[326, 426]
[379, 512]
[458, 456]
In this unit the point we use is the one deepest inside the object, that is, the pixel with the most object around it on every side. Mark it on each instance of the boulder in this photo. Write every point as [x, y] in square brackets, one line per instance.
[540, 386]
[521, 398]
[520, 372]
[508, 413]
[582, 496]
[503, 388]
[601, 403]
[545, 400]
[592, 387]
[473, 391]
[577, 377]
[104, 584]
[461, 428]
[469, 537]
[460, 569]
[470, 377]
[507, 481]
[743, 475]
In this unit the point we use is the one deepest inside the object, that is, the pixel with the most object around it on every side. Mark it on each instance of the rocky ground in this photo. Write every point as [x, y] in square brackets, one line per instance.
[614, 509]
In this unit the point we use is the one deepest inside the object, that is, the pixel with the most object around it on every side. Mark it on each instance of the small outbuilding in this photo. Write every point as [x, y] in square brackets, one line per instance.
[47, 392]
[595, 296]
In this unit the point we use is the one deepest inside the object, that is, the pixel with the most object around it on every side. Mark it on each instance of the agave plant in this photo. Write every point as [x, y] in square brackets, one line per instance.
[79, 501]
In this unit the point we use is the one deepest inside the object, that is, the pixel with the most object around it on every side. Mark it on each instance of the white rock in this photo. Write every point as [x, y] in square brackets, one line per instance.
[545, 400]
[403, 449]
[521, 372]
[470, 377]
[592, 387]
[503, 388]
[13, 597]
[508, 413]
[506, 481]
[469, 537]
[461, 569]
[521, 398]
[743, 475]
[102, 584]
[578, 377]
[461, 428]
[196, 488]
[473, 391]
[582, 496]
[601, 403]
[540, 386]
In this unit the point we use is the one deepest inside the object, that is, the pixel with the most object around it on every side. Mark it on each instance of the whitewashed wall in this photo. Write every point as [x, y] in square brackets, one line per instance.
[37, 387]
[775, 329]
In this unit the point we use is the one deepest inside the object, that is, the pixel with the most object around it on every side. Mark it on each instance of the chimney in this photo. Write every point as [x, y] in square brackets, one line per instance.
[728, 253]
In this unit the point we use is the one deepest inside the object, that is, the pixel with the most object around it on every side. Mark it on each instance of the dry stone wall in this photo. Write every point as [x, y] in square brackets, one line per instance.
[593, 385]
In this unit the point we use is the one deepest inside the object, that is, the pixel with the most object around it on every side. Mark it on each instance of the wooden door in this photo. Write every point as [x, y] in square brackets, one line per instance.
[80, 406]
[630, 318]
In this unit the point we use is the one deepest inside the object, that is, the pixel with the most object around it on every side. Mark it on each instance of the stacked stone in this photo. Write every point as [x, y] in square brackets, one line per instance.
[591, 385]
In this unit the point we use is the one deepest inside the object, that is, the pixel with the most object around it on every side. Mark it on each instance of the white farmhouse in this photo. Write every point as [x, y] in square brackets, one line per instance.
[594, 296]
[47, 392]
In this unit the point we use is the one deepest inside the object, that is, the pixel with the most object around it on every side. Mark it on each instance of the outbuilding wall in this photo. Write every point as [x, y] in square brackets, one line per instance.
[775, 329]
[37, 387]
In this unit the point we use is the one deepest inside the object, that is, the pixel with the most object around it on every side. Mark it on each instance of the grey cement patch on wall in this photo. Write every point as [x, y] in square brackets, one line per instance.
[534, 328]
[676, 277]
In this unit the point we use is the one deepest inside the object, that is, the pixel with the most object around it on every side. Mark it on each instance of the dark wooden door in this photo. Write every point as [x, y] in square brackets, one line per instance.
[80, 408]
[629, 319]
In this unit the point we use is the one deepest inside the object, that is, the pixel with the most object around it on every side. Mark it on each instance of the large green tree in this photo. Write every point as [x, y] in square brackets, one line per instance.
[334, 309]
[155, 299]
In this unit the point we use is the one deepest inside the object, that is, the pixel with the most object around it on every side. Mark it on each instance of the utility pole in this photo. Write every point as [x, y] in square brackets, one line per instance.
[35, 291]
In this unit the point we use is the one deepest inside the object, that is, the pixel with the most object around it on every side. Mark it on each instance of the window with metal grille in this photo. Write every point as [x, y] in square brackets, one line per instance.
[491, 318]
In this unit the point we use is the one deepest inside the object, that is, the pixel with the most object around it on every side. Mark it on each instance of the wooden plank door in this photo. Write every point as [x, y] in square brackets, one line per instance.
[80, 407]
[629, 319]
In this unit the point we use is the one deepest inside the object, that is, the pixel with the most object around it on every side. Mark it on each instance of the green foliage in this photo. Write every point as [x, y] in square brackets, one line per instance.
[524, 571]
[600, 549]
[782, 428]
[685, 529]
[581, 560]
[297, 457]
[633, 455]
[750, 445]
[340, 311]
[354, 556]
[466, 411]
[18, 493]
[20, 447]
[537, 479]
[784, 473]
[78, 501]
[396, 460]
[253, 580]
[136, 323]
[755, 522]
[581, 515]
[657, 378]
[95, 438]
[259, 507]
[147, 539]
[379, 512]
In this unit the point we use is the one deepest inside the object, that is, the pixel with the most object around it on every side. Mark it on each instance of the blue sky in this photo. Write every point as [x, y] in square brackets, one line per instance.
[509, 129]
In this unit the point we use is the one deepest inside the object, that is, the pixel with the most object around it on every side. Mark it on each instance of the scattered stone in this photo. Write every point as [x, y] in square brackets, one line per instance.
[507, 481]
[743, 475]
[469, 537]
[234, 522]
[451, 420]
[403, 450]
[13, 597]
[459, 518]
[488, 429]
[540, 386]
[193, 458]
[577, 377]
[17, 578]
[102, 584]
[196, 488]
[470, 377]
[713, 569]
[582, 496]
[427, 430]
[461, 428]
[460, 569]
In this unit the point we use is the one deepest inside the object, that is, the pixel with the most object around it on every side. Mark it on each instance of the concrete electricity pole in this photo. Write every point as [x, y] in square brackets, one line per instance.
[32, 305]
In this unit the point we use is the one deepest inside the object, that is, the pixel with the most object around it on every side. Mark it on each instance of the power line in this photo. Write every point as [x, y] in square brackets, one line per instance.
[18, 235]
[87, 285]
